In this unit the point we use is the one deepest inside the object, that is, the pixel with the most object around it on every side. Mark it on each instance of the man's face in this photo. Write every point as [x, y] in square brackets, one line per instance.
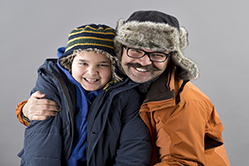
[143, 69]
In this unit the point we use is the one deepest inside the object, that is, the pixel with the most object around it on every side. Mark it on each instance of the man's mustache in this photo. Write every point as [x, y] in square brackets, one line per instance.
[147, 67]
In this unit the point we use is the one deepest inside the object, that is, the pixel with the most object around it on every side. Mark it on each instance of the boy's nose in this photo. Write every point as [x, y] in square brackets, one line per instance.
[92, 71]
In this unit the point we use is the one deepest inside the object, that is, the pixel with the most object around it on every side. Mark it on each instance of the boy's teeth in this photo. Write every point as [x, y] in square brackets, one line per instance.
[91, 80]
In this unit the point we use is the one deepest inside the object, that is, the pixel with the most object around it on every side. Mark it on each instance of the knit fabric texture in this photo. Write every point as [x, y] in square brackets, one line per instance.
[91, 36]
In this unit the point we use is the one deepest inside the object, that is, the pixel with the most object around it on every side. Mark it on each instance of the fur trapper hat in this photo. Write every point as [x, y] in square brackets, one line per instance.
[154, 30]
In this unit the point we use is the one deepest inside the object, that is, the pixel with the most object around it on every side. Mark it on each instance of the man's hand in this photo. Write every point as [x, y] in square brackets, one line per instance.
[39, 109]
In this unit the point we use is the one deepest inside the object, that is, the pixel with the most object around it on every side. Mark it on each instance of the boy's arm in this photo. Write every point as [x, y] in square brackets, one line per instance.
[36, 108]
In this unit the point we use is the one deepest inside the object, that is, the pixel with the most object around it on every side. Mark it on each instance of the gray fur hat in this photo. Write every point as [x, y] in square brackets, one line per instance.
[154, 30]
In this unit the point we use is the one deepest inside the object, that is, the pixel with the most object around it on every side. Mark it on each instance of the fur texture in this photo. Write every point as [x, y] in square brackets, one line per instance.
[157, 37]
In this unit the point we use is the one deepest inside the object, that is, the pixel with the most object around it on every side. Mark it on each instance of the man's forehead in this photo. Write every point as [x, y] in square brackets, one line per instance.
[149, 50]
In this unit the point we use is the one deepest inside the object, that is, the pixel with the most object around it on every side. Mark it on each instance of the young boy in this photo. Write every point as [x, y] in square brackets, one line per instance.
[98, 123]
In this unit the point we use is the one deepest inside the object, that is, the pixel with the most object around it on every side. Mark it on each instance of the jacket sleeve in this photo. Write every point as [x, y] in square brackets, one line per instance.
[134, 144]
[42, 139]
[19, 115]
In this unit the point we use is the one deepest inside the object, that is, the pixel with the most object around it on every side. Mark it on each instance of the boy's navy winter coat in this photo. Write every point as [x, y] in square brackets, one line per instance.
[115, 133]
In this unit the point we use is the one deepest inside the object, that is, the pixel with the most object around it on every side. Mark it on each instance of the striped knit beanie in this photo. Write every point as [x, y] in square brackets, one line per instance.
[92, 37]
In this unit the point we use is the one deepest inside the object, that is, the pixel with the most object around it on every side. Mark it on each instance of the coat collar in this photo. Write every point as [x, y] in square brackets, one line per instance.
[162, 88]
[166, 88]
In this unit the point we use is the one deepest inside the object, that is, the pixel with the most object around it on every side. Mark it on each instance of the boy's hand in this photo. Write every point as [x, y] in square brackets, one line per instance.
[39, 109]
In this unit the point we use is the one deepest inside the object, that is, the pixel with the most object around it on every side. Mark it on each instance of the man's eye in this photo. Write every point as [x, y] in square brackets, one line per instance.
[103, 65]
[136, 50]
[158, 55]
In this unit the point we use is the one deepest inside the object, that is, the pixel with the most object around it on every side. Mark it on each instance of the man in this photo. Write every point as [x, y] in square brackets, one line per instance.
[184, 126]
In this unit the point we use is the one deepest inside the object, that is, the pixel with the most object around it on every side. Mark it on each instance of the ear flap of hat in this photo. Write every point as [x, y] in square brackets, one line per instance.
[120, 23]
[183, 36]
[189, 69]
[118, 46]
[118, 52]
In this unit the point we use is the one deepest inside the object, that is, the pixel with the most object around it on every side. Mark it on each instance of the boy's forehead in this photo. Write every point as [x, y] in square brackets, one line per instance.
[92, 55]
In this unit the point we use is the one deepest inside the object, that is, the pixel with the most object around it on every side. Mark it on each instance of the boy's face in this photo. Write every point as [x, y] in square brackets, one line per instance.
[91, 70]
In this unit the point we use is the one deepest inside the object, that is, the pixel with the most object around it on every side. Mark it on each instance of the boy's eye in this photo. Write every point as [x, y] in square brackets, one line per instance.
[83, 64]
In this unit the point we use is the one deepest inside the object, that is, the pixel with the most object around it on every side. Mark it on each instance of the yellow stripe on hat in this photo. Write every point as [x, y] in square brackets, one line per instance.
[103, 33]
[94, 28]
[87, 37]
[99, 28]
[94, 44]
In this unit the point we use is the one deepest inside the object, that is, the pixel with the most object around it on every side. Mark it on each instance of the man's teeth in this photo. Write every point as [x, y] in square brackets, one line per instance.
[141, 69]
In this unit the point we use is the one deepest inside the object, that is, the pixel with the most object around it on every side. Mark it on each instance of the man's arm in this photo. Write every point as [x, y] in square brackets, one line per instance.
[134, 142]
[36, 108]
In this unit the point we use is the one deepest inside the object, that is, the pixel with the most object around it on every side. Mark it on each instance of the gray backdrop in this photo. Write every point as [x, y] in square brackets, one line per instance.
[218, 34]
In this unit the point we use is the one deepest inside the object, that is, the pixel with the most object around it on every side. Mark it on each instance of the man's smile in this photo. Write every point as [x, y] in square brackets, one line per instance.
[139, 67]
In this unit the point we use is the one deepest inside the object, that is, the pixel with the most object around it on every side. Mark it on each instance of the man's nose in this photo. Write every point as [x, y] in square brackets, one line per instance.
[145, 60]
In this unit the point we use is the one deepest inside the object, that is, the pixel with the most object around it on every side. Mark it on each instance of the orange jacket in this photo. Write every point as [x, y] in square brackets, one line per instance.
[184, 126]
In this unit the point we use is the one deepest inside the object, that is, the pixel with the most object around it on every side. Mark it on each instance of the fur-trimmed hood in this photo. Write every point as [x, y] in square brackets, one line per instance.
[156, 31]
